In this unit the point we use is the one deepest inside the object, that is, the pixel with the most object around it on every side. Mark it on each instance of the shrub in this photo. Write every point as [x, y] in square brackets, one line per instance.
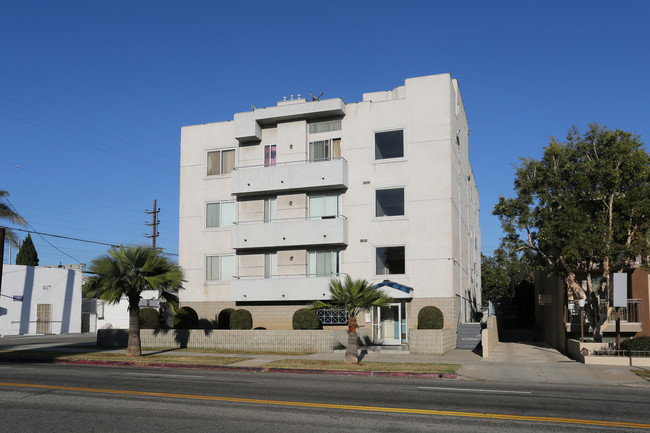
[430, 317]
[149, 318]
[223, 319]
[241, 319]
[305, 318]
[186, 318]
[640, 344]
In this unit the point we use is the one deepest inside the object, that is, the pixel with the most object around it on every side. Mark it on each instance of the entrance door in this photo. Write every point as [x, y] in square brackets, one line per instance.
[43, 318]
[387, 325]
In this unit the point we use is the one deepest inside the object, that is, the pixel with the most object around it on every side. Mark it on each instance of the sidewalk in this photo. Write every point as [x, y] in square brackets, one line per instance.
[510, 362]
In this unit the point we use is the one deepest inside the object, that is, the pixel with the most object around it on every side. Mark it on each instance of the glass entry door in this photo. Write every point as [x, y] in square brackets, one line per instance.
[386, 324]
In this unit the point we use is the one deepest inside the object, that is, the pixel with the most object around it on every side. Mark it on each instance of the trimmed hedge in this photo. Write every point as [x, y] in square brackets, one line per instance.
[149, 318]
[241, 319]
[305, 318]
[430, 317]
[224, 318]
[186, 318]
[640, 344]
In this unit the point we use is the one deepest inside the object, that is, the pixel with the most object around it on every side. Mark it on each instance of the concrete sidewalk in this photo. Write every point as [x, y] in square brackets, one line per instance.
[510, 362]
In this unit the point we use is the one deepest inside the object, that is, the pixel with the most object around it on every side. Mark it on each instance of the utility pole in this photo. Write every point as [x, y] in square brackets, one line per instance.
[154, 224]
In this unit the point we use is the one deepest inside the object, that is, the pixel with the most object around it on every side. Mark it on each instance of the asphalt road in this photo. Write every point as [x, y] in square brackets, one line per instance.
[42, 397]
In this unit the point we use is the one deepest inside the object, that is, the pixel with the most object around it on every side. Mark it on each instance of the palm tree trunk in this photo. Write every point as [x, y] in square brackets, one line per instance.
[133, 348]
[352, 349]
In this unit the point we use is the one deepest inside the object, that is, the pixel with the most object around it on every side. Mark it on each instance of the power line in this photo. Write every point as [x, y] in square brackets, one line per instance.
[64, 237]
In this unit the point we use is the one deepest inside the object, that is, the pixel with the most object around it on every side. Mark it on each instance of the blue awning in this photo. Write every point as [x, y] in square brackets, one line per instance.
[397, 286]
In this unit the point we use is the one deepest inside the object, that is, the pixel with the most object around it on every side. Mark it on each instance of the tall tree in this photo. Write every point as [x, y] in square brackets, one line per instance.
[125, 273]
[27, 254]
[353, 296]
[503, 272]
[8, 214]
[583, 209]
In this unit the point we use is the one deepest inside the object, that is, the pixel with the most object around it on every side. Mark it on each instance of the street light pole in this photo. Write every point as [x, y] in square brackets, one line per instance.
[581, 302]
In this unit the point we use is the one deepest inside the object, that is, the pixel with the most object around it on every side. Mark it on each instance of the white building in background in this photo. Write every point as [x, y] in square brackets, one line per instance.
[279, 200]
[40, 300]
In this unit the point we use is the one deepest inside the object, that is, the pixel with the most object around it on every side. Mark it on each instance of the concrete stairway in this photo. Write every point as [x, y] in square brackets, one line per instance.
[468, 336]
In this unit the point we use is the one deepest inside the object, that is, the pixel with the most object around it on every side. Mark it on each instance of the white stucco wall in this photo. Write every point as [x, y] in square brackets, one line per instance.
[59, 288]
[439, 229]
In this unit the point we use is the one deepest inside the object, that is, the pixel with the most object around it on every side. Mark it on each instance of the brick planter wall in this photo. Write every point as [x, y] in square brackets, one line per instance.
[431, 341]
[319, 341]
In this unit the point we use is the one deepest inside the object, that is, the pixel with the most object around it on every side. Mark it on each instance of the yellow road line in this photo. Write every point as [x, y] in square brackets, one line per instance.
[336, 406]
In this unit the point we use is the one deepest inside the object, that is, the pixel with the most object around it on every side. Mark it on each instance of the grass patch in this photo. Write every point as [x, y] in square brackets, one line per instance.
[43, 355]
[197, 350]
[406, 367]
[643, 373]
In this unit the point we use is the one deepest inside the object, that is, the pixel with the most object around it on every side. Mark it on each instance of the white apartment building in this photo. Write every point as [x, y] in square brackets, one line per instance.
[278, 200]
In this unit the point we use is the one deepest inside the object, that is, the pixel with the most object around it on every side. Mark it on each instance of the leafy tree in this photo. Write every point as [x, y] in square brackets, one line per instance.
[503, 272]
[126, 272]
[27, 254]
[583, 210]
[8, 214]
[353, 296]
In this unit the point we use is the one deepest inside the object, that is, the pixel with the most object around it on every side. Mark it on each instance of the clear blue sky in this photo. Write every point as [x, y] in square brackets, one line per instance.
[93, 94]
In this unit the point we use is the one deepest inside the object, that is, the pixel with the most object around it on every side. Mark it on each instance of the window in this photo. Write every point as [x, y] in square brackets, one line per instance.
[220, 214]
[390, 261]
[389, 144]
[219, 268]
[389, 202]
[269, 155]
[329, 126]
[323, 206]
[269, 209]
[324, 150]
[323, 263]
[221, 162]
[270, 265]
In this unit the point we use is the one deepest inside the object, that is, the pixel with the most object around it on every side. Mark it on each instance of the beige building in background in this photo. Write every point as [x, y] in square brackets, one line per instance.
[279, 200]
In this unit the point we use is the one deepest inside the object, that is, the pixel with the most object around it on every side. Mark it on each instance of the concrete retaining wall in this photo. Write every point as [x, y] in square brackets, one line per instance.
[490, 336]
[575, 347]
[431, 341]
[318, 341]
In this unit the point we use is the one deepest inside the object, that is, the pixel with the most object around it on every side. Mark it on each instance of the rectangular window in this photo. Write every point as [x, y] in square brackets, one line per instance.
[220, 162]
[389, 144]
[323, 206]
[389, 202]
[269, 155]
[219, 268]
[220, 214]
[270, 265]
[329, 126]
[269, 209]
[323, 263]
[324, 150]
[390, 261]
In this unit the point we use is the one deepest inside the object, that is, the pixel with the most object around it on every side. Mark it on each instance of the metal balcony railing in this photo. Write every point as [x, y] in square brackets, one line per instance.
[633, 313]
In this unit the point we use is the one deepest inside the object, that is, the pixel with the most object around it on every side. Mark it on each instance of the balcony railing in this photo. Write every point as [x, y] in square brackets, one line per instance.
[293, 287]
[290, 232]
[631, 317]
[305, 175]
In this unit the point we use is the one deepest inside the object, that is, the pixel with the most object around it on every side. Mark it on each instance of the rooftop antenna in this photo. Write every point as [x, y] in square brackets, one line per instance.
[314, 97]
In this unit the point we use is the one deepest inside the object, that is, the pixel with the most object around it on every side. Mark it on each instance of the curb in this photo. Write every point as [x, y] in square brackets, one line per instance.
[244, 369]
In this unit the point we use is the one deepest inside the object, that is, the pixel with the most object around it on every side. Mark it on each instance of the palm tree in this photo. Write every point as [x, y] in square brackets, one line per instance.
[127, 272]
[353, 296]
[7, 213]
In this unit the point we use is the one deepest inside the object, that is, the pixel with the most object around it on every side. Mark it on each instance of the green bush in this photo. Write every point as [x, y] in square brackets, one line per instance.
[241, 319]
[186, 318]
[640, 344]
[305, 318]
[149, 318]
[224, 318]
[430, 317]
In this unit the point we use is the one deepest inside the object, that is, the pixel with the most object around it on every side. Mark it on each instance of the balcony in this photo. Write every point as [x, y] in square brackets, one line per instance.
[631, 317]
[295, 175]
[292, 232]
[281, 288]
